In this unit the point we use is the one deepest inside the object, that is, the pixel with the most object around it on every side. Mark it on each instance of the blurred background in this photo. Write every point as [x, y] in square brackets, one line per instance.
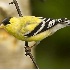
[52, 52]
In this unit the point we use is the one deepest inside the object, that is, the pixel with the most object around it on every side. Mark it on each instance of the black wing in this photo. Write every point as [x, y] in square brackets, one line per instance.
[46, 24]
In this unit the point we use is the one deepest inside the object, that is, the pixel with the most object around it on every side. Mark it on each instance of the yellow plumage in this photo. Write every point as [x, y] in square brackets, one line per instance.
[21, 25]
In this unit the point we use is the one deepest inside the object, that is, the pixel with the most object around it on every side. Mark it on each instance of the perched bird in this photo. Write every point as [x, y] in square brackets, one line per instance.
[31, 28]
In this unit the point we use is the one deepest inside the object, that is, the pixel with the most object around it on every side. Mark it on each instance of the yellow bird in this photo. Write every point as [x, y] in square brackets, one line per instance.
[31, 28]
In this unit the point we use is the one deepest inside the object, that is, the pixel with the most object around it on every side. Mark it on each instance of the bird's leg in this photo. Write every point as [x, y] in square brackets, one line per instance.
[35, 44]
[28, 52]
[27, 48]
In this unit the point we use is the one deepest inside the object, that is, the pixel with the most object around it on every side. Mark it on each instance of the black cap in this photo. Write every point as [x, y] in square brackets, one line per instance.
[6, 21]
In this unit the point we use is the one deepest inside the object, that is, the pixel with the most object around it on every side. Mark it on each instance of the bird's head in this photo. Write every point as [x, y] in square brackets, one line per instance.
[6, 21]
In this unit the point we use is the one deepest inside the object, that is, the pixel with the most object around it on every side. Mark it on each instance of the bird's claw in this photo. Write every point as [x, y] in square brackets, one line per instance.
[27, 50]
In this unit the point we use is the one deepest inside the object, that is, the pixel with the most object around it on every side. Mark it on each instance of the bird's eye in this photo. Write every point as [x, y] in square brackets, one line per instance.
[6, 21]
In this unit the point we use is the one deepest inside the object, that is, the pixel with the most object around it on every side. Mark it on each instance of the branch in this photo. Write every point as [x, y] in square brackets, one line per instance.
[33, 61]
[28, 52]
[17, 7]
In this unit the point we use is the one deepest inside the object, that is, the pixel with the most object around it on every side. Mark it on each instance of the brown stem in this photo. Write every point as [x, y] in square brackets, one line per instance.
[33, 61]
[17, 7]
[28, 52]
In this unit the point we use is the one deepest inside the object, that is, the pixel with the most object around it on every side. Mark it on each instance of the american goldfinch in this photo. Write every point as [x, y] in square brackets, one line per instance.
[31, 28]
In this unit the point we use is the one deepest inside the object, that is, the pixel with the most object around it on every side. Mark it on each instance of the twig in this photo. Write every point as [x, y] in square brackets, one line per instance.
[28, 52]
[33, 61]
[27, 48]
[17, 7]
